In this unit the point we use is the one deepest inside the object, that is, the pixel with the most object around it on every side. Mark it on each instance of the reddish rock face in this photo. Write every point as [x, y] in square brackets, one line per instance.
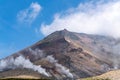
[84, 55]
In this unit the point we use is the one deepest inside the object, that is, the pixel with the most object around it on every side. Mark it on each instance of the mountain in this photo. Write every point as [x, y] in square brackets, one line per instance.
[64, 55]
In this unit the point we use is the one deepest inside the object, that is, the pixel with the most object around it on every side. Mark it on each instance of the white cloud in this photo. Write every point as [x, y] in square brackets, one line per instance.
[29, 15]
[101, 18]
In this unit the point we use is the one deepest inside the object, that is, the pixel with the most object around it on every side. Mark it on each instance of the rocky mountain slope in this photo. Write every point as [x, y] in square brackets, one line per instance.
[64, 55]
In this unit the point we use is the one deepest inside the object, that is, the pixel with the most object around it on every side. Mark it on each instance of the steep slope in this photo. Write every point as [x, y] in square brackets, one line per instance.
[65, 54]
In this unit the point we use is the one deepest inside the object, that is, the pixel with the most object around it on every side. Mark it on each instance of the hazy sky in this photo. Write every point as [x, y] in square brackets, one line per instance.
[24, 22]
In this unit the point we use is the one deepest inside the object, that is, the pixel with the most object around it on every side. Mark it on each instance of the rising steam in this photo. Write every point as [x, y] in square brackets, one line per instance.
[60, 68]
[21, 62]
[116, 56]
[37, 53]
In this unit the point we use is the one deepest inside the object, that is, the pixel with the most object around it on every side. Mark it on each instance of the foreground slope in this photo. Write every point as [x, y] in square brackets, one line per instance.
[65, 54]
[111, 75]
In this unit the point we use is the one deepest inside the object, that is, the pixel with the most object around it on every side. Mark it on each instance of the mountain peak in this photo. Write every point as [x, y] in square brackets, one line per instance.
[57, 35]
[63, 32]
[64, 52]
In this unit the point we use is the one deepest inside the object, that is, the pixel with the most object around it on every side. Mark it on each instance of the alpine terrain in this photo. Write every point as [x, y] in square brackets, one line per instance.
[64, 55]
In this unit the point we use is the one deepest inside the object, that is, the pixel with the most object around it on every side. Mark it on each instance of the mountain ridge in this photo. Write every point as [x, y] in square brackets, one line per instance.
[64, 52]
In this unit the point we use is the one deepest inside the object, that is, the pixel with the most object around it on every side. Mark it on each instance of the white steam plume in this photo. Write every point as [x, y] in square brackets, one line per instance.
[21, 62]
[116, 56]
[60, 68]
[96, 17]
[37, 53]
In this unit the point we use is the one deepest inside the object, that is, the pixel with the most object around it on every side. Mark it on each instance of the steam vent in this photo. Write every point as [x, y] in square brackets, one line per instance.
[63, 55]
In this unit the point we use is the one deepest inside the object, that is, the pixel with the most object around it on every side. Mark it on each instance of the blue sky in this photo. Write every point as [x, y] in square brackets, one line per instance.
[16, 34]
[24, 22]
